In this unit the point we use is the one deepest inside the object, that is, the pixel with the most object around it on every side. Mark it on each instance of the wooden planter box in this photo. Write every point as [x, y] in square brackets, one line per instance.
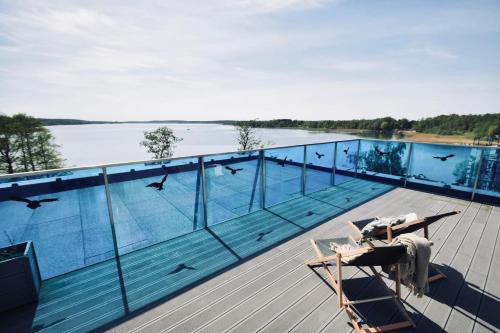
[19, 275]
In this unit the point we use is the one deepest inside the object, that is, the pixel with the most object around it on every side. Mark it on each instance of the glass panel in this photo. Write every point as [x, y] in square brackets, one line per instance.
[155, 202]
[386, 158]
[446, 166]
[233, 185]
[64, 214]
[345, 164]
[319, 165]
[284, 167]
[489, 176]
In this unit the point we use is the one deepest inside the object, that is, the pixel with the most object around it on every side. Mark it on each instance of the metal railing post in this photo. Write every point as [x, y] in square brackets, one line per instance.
[115, 241]
[408, 162]
[334, 163]
[303, 183]
[477, 174]
[357, 159]
[201, 169]
[263, 179]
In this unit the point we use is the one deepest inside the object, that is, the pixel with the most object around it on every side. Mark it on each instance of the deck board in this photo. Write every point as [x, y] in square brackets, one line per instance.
[275, 291]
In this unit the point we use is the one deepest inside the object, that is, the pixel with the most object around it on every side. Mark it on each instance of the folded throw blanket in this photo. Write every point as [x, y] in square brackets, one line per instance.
[414, 266]
[382, 222]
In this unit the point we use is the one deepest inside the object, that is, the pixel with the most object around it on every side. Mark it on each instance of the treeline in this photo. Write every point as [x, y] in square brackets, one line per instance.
[472, 125]
[26, 145]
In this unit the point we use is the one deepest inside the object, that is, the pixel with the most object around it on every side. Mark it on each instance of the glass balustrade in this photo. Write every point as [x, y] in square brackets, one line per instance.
[444, 167]
[345, 160]
[113, 239]
[65, 212]
[319, 166]
[284, 174]
[65, 215]
[383, 158]
[233, 185]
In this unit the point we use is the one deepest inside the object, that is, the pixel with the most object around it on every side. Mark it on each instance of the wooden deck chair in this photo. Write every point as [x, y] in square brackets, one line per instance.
[391, 232]
[367, 255]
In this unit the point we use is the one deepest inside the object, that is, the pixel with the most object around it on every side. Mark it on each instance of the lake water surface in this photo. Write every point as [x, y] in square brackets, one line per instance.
[83, 145]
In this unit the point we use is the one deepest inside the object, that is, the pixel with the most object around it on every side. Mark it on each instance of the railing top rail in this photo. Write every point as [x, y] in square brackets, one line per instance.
[110, 165]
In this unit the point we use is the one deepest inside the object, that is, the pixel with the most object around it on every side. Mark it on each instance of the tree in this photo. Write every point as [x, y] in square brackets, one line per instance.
[247, 137]
[7, 152]
[45, 150]
[160, 142]
[25, 145]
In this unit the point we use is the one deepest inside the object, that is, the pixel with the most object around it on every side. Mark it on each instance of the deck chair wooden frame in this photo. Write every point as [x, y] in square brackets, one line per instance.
[335, 281]
[389, 233]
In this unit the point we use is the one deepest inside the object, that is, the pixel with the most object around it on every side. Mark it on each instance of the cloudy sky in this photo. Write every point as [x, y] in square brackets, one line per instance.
[244, 59]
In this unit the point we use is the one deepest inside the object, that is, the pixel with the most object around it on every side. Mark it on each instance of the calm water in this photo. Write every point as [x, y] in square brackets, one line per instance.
[110, 143]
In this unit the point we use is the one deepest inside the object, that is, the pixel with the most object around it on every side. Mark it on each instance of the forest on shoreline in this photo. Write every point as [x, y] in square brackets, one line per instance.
[471, 126]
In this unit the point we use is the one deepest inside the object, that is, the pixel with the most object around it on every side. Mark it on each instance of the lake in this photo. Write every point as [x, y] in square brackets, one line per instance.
[83, 145]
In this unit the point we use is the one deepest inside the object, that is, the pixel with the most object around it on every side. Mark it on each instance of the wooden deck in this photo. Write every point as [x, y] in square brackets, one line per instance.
[277, 292]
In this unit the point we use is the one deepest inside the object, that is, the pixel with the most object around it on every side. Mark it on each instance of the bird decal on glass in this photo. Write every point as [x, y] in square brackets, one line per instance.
[348, 199]
[233, 171]
[443, 158]
[262, 234]
[282, 162]
[158, 185]
[181, 267]
[346, 150]
[319, 155]
[380, 153]
[32, 204]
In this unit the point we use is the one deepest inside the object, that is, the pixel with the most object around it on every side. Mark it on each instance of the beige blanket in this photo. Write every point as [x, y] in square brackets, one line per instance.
[414, 267]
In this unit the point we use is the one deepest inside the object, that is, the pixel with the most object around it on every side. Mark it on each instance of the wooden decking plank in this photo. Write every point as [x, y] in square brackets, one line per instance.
[393, 202]
[190, 318]
[462, 317]
[441, 303]
[294, 244]
[224, 321]
[488, 319]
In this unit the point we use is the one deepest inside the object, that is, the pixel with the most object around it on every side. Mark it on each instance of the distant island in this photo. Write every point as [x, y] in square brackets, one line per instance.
[453, 128]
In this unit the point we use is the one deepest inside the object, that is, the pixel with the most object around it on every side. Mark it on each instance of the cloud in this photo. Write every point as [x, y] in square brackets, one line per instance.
[206, 59]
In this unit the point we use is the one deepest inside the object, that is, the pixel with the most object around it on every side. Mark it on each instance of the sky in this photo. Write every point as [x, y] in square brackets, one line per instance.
[247, 59]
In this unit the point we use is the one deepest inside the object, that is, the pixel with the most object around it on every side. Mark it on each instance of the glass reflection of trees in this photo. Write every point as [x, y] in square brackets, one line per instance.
[384, 158]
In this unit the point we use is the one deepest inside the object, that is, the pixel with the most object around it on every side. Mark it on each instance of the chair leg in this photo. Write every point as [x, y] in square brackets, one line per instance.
[389, 234]
[398, 280]
[339, 279]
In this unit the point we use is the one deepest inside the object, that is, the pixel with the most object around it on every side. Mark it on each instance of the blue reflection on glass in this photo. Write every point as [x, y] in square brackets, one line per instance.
[383, 158]
[451, 167]
[489, 175]
[65, 217]
[284, 170]
[154, 204]
[233, 185]
[346, 158]
[319, 166]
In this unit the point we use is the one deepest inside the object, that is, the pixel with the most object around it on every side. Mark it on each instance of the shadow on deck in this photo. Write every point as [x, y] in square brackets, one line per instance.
[99, 297]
